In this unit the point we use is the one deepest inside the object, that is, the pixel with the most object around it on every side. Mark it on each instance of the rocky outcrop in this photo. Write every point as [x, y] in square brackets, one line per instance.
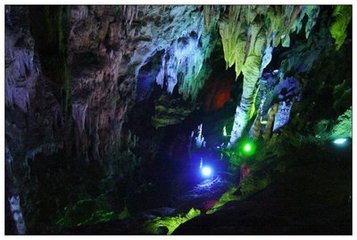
[248, 43]
[33, 114]
[72, 75]
[107, 49]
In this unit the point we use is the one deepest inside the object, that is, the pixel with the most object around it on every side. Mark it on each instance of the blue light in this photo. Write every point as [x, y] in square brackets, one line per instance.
[206, 171]
[340, 141]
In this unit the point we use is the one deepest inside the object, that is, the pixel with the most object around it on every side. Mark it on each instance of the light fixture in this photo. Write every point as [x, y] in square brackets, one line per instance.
[206, 171]
[247, 148]
[340, 141]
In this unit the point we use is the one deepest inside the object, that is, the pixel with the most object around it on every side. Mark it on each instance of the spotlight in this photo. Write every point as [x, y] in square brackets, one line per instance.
[340, 141]
[247, 148]
[206, 171]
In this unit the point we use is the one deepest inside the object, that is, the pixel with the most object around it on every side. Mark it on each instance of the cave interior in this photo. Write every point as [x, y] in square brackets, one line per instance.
[178, 119]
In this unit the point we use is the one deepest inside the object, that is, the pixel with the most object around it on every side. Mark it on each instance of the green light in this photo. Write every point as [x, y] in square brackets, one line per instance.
[340, 141]
[247, 147]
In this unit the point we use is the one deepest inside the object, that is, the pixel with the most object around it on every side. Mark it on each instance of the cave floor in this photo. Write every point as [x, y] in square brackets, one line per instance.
[307, 199]
[200, 196]
[311, 199]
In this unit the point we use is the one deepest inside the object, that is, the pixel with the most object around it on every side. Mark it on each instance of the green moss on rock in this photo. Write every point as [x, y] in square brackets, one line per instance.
[343, 126]
[89, 211]
[343, 15]
[224, 199]
[171, 223]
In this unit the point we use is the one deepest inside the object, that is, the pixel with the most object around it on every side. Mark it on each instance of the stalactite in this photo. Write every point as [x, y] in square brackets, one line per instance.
[207, 14]
[251, 51]
[342, 14]
[20, 75]
[96, 141]
[79, 115]
[268, 54]
[57, 116]
[311, 12]
[211, 14]
[8, 162]
[182, 63]
[233, 38]
[160, 76]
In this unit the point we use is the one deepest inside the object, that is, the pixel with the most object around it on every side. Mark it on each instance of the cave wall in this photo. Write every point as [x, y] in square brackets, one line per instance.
[71, 78]
[104, 48]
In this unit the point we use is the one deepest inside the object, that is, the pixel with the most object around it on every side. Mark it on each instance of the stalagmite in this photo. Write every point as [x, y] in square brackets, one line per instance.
[251, 50]
[16, 212]
[269, 126]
